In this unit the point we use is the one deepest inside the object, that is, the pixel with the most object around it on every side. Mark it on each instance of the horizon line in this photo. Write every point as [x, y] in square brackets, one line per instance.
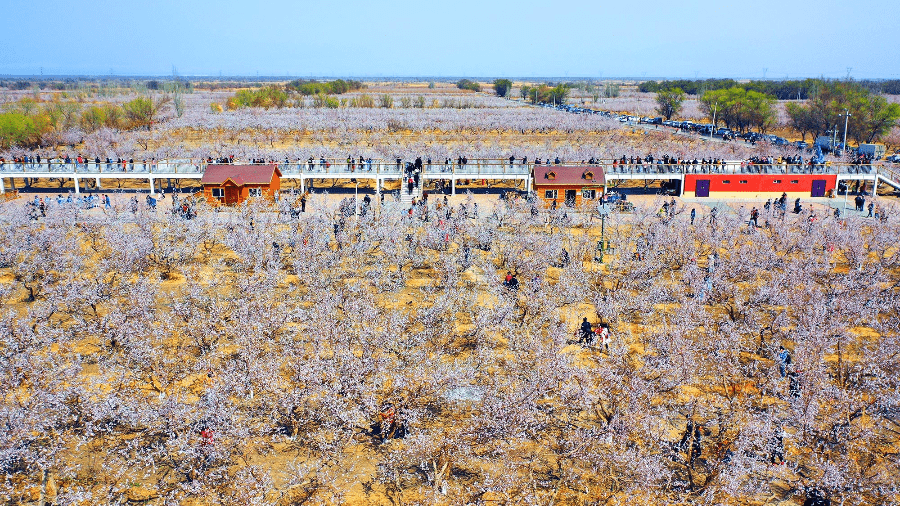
[274, 77]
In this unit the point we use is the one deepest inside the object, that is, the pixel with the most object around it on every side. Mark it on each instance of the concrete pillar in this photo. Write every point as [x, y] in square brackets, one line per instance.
[152, 189]
[875, 185]
[77, 189]
[2, 188]
[453, 186]
[378, 189]
[302, 184]
[98, 184]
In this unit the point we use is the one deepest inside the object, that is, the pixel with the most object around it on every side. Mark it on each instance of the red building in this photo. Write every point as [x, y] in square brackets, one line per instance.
[233, 184]
[758, 185]
[568, 185]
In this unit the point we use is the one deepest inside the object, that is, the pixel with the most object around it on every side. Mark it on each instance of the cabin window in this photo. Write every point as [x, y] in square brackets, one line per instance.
[255, 192]
[588, 194]
[218, 193]
[549, 194]
[726, 181]
[776, 181]
[743, 181]
[795, 181]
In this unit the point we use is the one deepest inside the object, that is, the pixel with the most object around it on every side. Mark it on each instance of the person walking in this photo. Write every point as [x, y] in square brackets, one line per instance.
[776, 446]
[603, 337]
[784, 360]
[871, 208]
[693, 215]
[587, 332]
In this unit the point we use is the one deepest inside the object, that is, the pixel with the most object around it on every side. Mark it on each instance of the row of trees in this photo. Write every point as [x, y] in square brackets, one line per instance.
[782, 90]
[29, 123]
[871, 115]
[742, 108]
[544, 93]
[467, 84]
[336, 87]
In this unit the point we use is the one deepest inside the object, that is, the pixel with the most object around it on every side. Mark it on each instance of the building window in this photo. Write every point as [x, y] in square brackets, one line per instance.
[794, 181]
[549, 194]
[743, 181]
[255, 192]
[726, 181]
[218, 193]
[777, 181]
[589, 194]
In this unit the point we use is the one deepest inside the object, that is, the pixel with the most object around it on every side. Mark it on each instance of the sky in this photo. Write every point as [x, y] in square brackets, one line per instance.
[487, 38]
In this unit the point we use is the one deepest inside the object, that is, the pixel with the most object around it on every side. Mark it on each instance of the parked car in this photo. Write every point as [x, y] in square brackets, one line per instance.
[801, 145]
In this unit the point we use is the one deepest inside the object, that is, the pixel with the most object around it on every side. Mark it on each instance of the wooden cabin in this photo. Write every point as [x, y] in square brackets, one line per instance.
[569, 185]
[233, 184]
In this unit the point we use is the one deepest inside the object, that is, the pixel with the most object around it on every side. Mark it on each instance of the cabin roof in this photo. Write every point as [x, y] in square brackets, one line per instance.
[561, 175]
[240, 174]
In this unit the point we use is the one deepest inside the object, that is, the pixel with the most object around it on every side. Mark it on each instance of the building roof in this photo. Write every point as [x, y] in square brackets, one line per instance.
[560, 175]
[240, 174]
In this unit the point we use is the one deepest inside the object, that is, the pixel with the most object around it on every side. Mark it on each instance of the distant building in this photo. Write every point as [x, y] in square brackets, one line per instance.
[232, 184]
[758, 185]
[570, 185]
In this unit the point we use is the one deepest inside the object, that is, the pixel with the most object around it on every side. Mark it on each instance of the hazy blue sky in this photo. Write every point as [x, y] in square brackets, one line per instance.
[673, 38]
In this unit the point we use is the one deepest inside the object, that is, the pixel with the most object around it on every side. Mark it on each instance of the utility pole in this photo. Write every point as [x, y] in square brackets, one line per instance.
[603, 211]
[846, 116]
[715, 110]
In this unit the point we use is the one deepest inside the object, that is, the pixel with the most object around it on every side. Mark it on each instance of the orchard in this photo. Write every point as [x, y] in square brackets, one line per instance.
[252, 357]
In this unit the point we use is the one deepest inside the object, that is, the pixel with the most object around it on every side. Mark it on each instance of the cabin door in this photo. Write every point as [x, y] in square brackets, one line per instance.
[702, 188]
[232, 195]
[818, 188]
[570, 197]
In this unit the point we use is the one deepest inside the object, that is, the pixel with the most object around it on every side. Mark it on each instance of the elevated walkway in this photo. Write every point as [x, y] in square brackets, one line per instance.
[382, 170]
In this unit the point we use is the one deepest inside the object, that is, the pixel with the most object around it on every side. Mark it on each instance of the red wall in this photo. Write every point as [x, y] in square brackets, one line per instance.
[759, 182]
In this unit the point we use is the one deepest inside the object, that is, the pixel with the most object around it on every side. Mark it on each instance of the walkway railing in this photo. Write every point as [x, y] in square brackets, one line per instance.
[315, 168]
[731, 167]
[375, 168]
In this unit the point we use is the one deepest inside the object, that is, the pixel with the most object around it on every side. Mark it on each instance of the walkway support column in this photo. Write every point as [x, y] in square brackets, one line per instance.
[98, 184]
[302, 184]
[453, 186]
[152, 189]
[77, 189]
[2, 188]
